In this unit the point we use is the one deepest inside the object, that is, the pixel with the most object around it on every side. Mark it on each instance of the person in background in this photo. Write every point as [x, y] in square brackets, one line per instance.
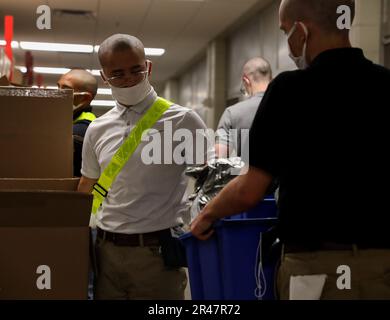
[323, 132]
[84, 86]
[256, 76]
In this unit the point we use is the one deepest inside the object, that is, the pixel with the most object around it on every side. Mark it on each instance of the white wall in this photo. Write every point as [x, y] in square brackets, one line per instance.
[260, 36]
[386, 18]
[193, 85]
[366, 30]
[385, 58]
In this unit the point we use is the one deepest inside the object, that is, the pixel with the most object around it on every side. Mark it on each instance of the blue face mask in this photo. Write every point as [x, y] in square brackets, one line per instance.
[300, 61]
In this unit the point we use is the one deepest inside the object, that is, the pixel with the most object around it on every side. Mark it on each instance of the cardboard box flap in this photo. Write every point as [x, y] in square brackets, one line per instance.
[69, 184]
[36, 133]
[6, 91]
[44, 209]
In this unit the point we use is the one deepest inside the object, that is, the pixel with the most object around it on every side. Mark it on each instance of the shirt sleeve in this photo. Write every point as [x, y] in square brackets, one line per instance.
[224, 126]
[90, 165]
[265, 141]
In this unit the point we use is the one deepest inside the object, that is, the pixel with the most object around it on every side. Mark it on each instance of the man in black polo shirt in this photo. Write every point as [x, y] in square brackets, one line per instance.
[322, 131]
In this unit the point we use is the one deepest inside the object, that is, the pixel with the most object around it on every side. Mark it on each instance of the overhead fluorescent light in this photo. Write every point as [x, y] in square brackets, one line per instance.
[148, 51]
[104, 91]
[52, 87]
[95, 72]
[154, 52]
[69, 47]
[51, 70]
[59, 47]
[21, 68]
[45, 70]
[103, 103]
[14, 44]
[48, 70]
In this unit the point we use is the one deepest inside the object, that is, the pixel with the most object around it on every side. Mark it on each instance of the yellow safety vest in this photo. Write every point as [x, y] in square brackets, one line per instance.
[126, 150]
[89, 116]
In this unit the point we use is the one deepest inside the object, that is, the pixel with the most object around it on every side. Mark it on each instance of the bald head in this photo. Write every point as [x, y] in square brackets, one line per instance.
[321, 13]
[120, 43]
[80, 81]
[258, 69]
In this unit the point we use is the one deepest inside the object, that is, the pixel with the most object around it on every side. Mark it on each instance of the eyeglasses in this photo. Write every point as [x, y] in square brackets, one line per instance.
[133, 78]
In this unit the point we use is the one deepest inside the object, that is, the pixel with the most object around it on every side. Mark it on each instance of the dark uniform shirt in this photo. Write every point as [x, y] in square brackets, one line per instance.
[324, 133]
[79, 129]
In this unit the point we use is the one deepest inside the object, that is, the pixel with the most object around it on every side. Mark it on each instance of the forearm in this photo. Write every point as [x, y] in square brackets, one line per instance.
[241, 194]
[229, 201]
[86, 185]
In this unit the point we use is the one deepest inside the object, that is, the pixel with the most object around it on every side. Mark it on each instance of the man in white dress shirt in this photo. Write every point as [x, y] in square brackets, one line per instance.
[145, 200]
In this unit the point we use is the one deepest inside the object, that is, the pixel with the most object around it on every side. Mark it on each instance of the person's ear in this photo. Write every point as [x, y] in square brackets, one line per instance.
[150, 67]
[82, 99]
[246, 80]
[88, 98]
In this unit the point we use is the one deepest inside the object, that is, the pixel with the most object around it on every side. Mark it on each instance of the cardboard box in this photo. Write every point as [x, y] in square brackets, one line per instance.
[44, 239]
[35, 133]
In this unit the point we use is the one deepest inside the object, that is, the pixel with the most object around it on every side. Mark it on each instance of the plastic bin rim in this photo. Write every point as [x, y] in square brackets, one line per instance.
[222, 221]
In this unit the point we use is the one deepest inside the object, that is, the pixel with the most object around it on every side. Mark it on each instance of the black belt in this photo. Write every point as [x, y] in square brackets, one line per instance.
[331, 246]
[149, 239]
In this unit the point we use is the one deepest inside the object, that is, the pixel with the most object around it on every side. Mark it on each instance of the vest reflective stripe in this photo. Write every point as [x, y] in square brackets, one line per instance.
[126, 150]
[89, 116]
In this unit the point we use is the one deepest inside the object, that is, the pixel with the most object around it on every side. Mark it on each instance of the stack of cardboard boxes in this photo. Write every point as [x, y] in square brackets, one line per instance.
[44, 236]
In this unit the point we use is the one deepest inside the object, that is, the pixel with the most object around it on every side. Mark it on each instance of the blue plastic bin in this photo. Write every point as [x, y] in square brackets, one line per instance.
[238, 244]
[204, 268]
[223, 267]
[265, 209]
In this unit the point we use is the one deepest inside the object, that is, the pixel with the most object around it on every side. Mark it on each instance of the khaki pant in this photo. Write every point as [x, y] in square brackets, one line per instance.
[136, 273]
[370, 273]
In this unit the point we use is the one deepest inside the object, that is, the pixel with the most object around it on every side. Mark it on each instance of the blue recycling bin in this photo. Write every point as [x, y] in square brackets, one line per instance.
[226, 267]
[204, 268]
[264, 209]
[239, 244]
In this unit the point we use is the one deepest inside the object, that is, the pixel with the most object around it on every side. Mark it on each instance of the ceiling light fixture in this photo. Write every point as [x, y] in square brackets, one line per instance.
[148, 51]
[14, 44]
[69, 47]
[95, 72]
[104, 91]
[22, 69]
[49, 70]
[46, 70]
[59, 47]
